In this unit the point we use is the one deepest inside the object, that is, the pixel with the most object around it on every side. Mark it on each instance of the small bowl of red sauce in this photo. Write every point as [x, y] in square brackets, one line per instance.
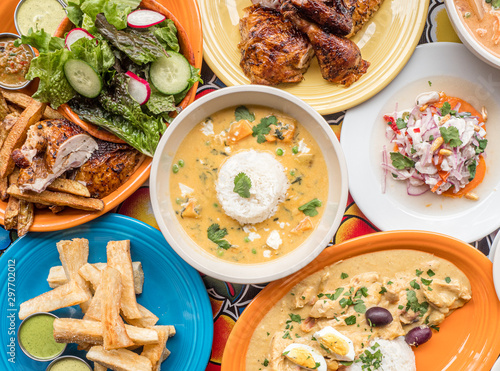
[14, 62]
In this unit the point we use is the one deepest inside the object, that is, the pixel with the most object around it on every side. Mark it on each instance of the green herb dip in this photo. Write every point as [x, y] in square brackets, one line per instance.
[69, 364]
[38, 14]
[37, 337]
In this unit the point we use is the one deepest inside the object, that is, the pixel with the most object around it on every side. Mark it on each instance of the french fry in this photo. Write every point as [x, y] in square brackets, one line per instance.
[25, 217]
[11, 213]
[154, 352]
[69, 186]
[23, 100]
[4, 184]
[118, 254]
[6, 125]
[17, 135]
[4, 108]
[56, 209]
[70, 330]
[114, 333]
[73, 255]
[119, 359]
[57, 198]
[63, 296]
[148, 318]
[93, 275]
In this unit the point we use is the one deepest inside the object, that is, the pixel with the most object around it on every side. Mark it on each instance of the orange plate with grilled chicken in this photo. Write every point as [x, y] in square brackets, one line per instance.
[386, 41]
[108, 154]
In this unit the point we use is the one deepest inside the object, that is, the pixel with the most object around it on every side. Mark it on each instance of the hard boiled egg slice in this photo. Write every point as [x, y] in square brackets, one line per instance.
[340, 345]
[305, 356]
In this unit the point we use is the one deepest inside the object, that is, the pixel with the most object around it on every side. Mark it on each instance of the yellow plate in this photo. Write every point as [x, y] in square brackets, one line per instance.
[387, 42]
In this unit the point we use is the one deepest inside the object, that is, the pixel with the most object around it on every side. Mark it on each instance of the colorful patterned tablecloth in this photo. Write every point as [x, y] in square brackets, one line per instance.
[229, 300]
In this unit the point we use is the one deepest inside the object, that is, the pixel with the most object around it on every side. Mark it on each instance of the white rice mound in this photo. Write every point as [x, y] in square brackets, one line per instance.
[397, 356]
[268, 189]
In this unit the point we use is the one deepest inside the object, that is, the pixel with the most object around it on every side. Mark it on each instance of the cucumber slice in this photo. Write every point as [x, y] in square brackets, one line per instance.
[170, 74]
[83, 78]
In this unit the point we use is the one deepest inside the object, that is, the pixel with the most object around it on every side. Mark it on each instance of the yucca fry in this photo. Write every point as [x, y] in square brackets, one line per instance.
[155, 351]
[17, 135]
[69, 186]
[98, 367]
[148, 318]
[71, 330]
[94, 311]
[25, 217]
[114, 333]
[73, 255]
[11, 213]
[24, 100]
[165, 355]
[57, 277]
[118, 255]
[57, 198]
[56, 209]
[64, 296]
[119, 359]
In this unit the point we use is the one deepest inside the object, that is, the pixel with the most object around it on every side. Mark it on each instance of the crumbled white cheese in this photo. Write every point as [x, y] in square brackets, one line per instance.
[185, 190]
[207, 128]
[227, 150]
[253, 236]
[249, 228]
[303, 148]
[274, 240]
[282, 224]
[267, 253]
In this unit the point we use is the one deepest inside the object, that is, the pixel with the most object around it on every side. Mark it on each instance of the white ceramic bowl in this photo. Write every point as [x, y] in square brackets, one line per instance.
[467, 39]
[197, 112]
[495, 258]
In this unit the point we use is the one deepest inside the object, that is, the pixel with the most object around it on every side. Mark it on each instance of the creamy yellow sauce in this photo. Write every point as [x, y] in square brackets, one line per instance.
[486, 30]
[40, 14]
[201, 154]
[388, 276]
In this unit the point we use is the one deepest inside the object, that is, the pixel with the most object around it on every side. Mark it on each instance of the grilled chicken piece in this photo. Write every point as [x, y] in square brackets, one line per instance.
[363, 11]
[109, 167]
[272, 50]
[52, 147]
[339, 58]
[336, 19]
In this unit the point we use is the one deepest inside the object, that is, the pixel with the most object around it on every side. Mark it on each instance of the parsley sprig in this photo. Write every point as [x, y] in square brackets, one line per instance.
[216, 235]
[242, 185]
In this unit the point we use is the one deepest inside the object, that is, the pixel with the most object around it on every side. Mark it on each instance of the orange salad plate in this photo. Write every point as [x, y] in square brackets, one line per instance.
[188, 15]
[467, 340]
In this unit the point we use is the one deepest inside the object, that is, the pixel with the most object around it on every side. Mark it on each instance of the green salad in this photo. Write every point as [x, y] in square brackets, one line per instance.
[92, 72]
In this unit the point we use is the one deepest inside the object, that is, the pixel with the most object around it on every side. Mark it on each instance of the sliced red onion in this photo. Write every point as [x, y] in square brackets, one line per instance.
[416, 190]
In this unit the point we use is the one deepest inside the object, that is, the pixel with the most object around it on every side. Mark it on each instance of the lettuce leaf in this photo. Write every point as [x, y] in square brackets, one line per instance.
[160, 105]
[167, 35]
[98, 55]
[115, 11]
[195, 77]
[41, 40]
[53, 87]
[140, 46]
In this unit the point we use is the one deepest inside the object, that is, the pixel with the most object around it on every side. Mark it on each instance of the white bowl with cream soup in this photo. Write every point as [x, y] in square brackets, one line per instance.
[476, 23]
[249, 184]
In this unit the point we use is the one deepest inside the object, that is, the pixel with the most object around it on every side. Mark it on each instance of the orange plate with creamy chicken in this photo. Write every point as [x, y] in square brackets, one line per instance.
[223, 147]
[471, 329]
[188, 15]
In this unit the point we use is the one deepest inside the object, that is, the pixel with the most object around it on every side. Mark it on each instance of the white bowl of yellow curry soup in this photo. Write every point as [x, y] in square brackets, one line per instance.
[249, 184]
[477, 24]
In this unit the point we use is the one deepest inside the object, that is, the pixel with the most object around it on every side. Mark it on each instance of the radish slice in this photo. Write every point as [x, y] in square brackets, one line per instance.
[76, 34]
[138, 88]
[143, 18]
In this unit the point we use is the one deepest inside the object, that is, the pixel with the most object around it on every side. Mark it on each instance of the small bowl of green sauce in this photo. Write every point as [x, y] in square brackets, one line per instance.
[36, 337]
[39, 14]
[69, 363]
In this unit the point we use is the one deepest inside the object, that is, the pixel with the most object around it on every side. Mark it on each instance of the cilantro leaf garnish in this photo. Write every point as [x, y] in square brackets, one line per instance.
[295, 317]
[263, 128]
[445, 108]
[447, 279]
[482, 146]
[472, 170]
[383, 290]
[310, 208]
[351, 320]
[426, 282]
[400, 123]
[265, 363]
[418, 272]
[359, 306]
[242, 185]
[451, 136]
[415, 285]
[216, 235]
[430, 273]
[343, 275]
[242, 113]
[400, 161]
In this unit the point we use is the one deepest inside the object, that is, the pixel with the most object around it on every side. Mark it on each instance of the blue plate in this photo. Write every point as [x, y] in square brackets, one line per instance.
[172, 289]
